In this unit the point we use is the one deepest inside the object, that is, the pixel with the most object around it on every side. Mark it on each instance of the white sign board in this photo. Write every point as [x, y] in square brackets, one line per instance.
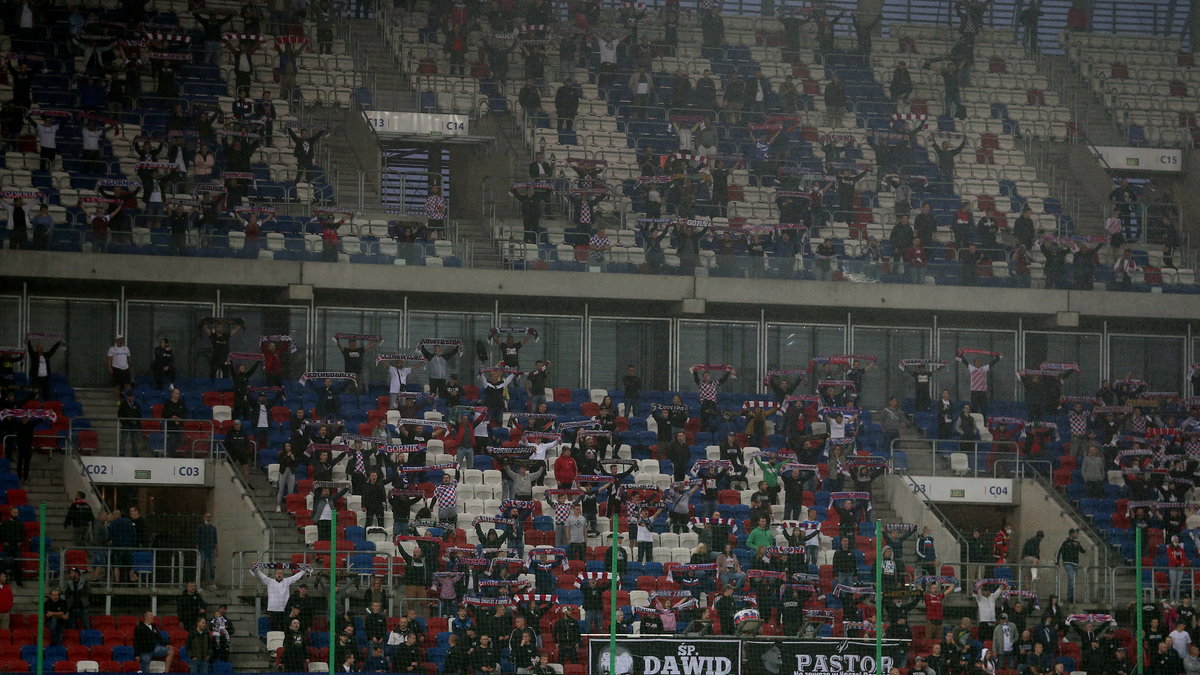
[388, 123]
[144, 470]
[1140, 159]
[964, 490]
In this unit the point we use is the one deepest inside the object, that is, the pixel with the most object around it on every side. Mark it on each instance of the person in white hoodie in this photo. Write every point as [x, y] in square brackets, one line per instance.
[278, 593]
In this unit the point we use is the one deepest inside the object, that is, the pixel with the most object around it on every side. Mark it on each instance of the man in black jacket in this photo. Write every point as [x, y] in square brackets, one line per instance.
[306, 148]
[39, 366]
[679, 454]
[566, 104]
[925, 227]
[149, 644]
[175, 411]
[190, 605]
[129, 412]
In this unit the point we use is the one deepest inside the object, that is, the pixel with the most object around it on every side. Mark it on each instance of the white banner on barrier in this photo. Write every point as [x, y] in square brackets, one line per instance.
[422, 124]
[144, 470]
[964, 490]
[1140, 159]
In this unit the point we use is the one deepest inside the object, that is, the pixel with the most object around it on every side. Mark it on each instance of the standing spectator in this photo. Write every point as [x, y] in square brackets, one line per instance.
[201, 646]
[1094, 473]
[149, 644]
[79, 519]
[129, 415]
[1125, 201]
[6, 601]
[78, 596]
[1031, 555]
[174, 411]
[835, 102]
[980, 381]
[901, 86]
[163, 365]
[914, 260]
[436, 208]
[122, 535]
[119, 367]
[1177, 564]
[1116, 237]
[39, 366]
[98, 540]
[206, 543]
[944, 410]
[632, 385]
[190, 605]
[566, 105]
[1068, 557]
[985, 600]
[278, 593]
[304, 150]
[1000, 545]
[926, 553]
[438, 367]
[1028, 21]
[47, 135]
[576, 532]
[1004, 641]
[945, 157]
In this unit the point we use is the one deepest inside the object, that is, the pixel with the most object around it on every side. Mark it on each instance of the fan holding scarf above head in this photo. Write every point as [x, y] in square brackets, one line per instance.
[702, 374]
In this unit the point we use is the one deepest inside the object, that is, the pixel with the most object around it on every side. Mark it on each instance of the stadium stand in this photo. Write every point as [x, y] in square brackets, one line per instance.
[482, 506]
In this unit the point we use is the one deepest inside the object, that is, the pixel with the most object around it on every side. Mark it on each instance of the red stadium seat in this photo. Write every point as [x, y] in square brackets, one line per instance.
[88, 441]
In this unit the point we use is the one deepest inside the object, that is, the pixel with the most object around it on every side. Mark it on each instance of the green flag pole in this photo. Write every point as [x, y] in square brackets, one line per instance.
[41, 629]
[879, 597]
[1137, 556]
[332, 582]
[612, 591]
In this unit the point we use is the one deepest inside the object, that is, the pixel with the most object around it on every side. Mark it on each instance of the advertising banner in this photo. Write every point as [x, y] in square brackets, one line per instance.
[841, 656]
[666, 656]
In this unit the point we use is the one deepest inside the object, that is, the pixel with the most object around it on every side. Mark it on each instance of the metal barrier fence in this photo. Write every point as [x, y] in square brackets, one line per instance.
[1091, 583]
[193, 438]
[132, 567]
[959, 457]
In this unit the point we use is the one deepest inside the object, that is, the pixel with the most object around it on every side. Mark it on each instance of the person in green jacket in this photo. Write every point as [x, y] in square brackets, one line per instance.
[760, 536]
[770, 473]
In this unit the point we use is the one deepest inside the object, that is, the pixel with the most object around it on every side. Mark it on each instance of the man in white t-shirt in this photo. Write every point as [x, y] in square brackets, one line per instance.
[607, 46]
[119, 370]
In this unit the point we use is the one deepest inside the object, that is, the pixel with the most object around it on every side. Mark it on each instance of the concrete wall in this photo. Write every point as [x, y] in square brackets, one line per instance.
[1039, 511]
[376, 285]
[238, 528]
[911, 508]
[75, 480]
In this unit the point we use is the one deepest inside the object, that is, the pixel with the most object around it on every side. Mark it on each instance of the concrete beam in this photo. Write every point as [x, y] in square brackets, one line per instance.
[205, 274]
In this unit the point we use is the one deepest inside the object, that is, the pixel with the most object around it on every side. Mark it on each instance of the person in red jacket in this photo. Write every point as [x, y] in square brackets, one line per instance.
[272, 364]
[1000, 545]
[6, 600]
[565, 469]
[1177, 561]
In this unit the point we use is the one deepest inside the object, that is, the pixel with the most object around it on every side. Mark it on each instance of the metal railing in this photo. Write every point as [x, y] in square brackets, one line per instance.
[239, 478]
[195, 438]
[152, 567]
[1092, 582]
[979, 455]
[1157, 588]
